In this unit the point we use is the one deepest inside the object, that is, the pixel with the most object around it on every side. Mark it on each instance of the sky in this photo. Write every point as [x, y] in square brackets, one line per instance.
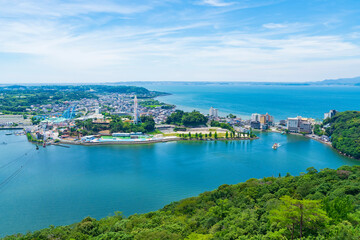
[99, 41]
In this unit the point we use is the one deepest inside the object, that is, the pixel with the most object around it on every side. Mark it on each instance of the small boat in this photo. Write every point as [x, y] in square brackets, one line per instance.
[275, 146]
[8, 134]
[282, 133]
[37, 147]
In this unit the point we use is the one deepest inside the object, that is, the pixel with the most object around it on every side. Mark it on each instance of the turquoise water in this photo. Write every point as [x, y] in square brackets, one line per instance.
[279, 101]
[58, 186]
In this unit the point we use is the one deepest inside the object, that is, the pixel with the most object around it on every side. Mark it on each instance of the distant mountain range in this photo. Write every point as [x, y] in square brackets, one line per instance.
[341, 81]
[328, 82]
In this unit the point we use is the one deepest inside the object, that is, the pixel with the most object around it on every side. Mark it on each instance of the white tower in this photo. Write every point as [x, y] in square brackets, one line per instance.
[136, 115]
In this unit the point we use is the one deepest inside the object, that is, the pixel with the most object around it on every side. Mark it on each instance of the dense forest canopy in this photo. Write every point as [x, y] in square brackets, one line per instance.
[316, 205]
[193, 118]
[344, 131]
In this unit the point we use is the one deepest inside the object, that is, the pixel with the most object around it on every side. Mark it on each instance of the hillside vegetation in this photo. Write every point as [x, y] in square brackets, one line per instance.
[17, 99]
[316, 205]
[193, 118]
[345, 132]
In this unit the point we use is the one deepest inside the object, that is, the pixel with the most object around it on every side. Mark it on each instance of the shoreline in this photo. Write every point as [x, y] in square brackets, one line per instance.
[219, 139]
[119, 142]
[174, 139]
[323, 142]
[12, 128]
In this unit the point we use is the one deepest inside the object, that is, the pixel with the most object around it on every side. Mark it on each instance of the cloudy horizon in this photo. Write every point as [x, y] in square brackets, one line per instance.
[171, 40]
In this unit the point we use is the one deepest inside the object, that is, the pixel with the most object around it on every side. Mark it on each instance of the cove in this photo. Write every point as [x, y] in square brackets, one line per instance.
[58, 186]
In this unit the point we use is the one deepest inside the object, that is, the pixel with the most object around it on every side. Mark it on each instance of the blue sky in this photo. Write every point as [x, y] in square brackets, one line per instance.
[62, 41]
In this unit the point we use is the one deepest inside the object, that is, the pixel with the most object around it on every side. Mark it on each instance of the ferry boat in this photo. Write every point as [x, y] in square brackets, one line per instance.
[275, 146]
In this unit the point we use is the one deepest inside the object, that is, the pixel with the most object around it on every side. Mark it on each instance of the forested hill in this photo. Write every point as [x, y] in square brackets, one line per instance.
[345, 132]
[17, 99]
[316, 205]
[140, 91]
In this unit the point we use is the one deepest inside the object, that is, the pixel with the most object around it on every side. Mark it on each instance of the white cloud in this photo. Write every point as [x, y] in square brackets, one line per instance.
[58, 8]
[49, 49]
[274, 25]
[217, 3]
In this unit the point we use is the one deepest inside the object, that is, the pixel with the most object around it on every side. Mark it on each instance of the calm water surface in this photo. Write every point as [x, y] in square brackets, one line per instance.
[58, 186]
[279, 101]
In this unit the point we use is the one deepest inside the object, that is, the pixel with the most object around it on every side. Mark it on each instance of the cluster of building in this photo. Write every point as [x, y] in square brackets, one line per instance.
[330, 114]
[213, 113]
[261, 121]
[300, 125]
[265, 121]
[63, 115]
[114, 104]
[122, 104]
[56, 121]
[305, 125]
[292, 124]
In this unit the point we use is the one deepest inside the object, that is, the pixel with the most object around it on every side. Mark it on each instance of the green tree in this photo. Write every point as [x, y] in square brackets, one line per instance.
[193, 118]
[227, 126]
[299, 214]
[231, 116]
[227, 135]
[148, 123]
[339, 208]
[35, 121]
[175, 117]
[250, 134]
[344, 131]
[215, 135]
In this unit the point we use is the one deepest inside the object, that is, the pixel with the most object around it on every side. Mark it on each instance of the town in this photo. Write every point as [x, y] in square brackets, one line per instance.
[122, 118]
